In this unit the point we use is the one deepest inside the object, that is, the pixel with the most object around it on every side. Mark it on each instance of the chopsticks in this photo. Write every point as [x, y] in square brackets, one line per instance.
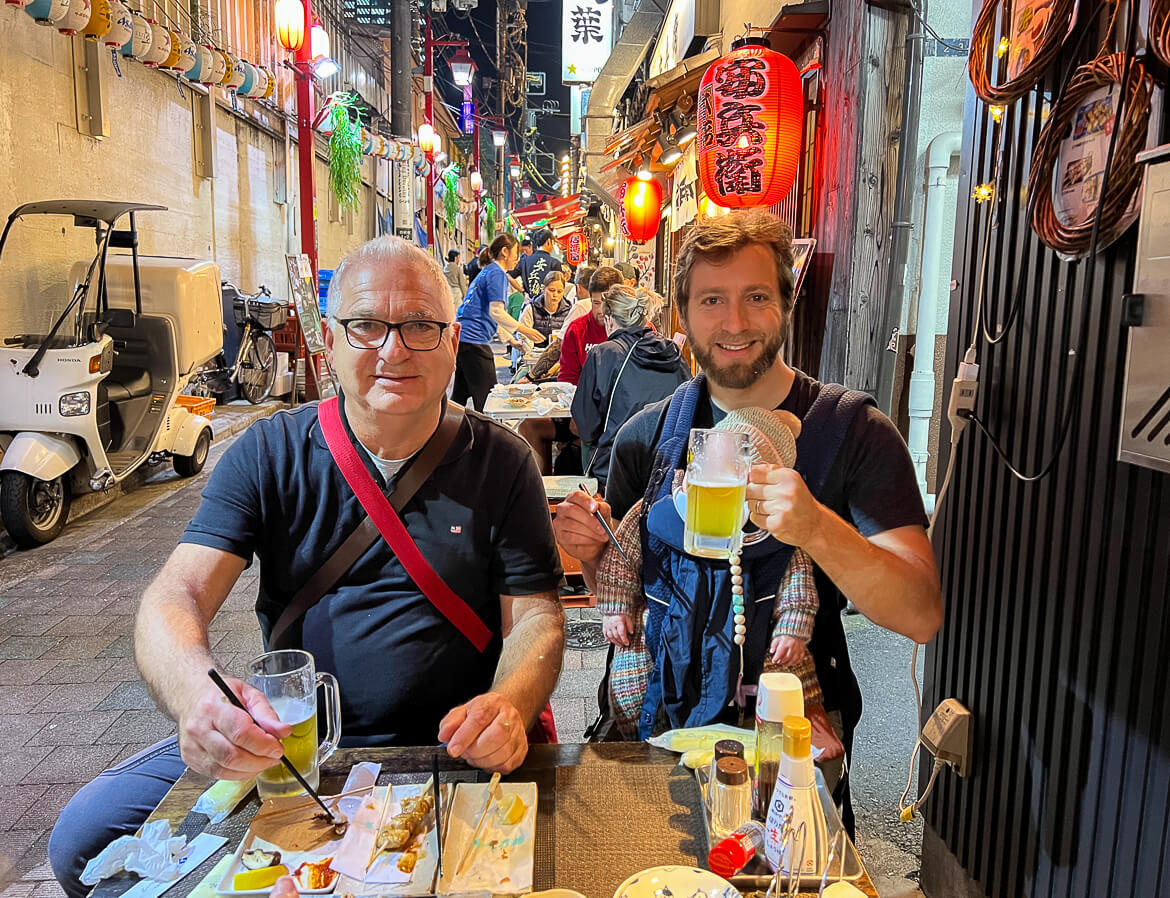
[438, 812]
[470, 849]
[613, 539]
[231, 697]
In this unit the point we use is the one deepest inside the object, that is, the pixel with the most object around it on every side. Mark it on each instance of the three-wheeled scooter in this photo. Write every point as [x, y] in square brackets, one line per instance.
[89, 393]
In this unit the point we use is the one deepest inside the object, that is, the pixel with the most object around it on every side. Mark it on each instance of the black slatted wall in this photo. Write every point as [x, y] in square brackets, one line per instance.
[1057, 632]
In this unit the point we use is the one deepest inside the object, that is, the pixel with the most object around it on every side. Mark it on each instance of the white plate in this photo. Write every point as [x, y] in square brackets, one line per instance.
[682, 882]
[291, 859]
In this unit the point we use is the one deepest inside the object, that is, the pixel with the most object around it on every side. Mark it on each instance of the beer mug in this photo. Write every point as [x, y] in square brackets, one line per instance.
[288, 679]
[717, 475]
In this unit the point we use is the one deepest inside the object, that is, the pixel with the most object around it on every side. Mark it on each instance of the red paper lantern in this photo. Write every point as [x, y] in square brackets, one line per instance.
[643, 207]
[575, 247]
[290, 23]
[751, 111]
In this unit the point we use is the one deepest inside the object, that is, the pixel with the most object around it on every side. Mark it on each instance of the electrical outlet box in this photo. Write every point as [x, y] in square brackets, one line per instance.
[947, 735]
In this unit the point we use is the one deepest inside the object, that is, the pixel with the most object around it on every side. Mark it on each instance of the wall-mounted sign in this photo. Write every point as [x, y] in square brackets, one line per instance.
[404, 200]
[586, 39]
[684, 20]
[534, 84]
[467, 117]
[578, 102]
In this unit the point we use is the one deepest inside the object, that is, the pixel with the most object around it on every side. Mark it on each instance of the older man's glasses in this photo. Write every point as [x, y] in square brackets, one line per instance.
[370, 333]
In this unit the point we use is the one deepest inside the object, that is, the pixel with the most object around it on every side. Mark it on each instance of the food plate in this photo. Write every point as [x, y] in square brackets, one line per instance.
[291, 859]
[675, 880]
[503, 855]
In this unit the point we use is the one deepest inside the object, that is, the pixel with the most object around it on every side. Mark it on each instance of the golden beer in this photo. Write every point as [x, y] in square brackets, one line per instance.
[715, 515]
[300, 747]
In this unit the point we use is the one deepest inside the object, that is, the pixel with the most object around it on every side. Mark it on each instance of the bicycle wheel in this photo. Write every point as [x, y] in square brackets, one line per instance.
[257, 371]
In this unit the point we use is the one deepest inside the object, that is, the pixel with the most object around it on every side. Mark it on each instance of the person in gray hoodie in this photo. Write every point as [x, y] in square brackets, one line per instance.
[632, 369]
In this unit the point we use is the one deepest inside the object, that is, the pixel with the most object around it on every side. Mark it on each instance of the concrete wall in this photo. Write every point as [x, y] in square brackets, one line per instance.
[149, 156]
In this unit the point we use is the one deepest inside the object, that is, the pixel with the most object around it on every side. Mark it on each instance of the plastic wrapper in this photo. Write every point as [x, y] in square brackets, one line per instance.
[153, 855]
[221, 798]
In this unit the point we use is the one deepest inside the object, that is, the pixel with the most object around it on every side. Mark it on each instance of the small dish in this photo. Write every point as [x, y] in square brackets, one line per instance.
[676, 880]
[291, 859]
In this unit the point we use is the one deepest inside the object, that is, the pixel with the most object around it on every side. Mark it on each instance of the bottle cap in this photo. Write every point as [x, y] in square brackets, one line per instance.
[780, 695]
[797, 737]
[727, 858]
[731, 771]
[728, 748]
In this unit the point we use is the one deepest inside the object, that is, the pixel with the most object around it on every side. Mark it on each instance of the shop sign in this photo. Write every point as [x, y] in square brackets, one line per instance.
[684, 20]
[684, 200]
[534, 84]
[467, 117]
[404, 200]
[586, 39]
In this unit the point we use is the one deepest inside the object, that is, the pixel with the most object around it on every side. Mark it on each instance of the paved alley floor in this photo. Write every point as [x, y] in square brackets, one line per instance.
[74, 704]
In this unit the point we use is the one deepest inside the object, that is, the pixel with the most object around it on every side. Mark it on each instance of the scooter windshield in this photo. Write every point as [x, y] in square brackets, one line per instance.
[45, 259]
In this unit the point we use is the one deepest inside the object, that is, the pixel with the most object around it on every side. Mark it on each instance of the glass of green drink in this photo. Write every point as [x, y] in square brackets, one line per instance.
[719, 462]
[289, 680]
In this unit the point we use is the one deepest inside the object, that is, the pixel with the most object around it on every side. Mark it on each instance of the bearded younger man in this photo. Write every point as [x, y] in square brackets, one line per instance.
[859, 515]
[408, 675]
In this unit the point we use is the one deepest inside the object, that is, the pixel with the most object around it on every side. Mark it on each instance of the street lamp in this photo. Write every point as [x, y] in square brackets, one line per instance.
[514, 169]
[526, 192]
[499, 137]
[428, 140]
[476, 181]
[325, 67]
[290, 23]
[319, 42]
[462, 67]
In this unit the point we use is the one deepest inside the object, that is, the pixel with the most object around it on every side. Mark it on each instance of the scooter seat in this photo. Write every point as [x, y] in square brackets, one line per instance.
[127, 384]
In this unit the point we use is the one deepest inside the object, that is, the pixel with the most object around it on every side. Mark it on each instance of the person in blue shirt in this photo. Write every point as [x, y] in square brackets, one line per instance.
[534, 268]
[484, 309]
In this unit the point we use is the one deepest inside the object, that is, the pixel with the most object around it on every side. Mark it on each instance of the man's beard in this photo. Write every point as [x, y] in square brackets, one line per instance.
[739, 375]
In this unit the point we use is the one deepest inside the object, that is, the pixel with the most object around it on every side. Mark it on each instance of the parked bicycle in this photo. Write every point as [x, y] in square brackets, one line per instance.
[254, 369]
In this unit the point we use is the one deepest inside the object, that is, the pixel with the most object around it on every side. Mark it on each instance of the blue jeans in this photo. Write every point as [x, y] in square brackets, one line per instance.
[115, 804]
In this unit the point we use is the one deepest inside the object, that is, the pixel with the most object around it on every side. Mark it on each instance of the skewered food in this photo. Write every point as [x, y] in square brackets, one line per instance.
[403, 826]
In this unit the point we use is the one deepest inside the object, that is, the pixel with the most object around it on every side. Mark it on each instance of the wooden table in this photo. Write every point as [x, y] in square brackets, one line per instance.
[497, 408]
[604, 811]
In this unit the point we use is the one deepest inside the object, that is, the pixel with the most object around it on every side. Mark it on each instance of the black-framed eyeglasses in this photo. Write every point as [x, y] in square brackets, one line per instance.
[420, 334]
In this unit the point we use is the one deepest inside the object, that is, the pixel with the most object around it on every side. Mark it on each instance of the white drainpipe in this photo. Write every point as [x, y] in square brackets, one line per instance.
[938, 160]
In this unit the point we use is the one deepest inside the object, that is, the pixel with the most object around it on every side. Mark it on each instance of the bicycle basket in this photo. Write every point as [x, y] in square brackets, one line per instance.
[266, 313]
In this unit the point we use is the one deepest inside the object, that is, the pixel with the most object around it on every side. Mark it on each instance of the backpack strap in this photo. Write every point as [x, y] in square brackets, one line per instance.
[823, 431]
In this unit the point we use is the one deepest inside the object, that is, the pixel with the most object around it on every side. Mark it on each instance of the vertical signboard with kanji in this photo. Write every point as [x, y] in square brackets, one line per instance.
[586, 39]
[404, 200]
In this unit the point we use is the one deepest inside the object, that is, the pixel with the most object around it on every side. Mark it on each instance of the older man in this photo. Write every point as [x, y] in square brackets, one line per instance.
[410, 671]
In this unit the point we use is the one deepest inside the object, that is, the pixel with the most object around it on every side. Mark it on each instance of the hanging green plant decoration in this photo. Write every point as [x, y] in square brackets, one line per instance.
[490, 217]
[345, 153]
[451, 197]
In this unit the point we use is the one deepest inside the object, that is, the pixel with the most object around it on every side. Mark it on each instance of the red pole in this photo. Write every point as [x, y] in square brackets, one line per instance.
[429, 115]
[308, 194]
[305, 148]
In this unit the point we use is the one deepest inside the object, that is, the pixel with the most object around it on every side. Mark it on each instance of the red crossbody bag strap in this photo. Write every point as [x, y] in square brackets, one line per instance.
[377, 506]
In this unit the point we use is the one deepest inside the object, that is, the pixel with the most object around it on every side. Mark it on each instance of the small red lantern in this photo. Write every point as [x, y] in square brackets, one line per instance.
[575, 247]
[290, 23]
[751, 112]
[643, 207]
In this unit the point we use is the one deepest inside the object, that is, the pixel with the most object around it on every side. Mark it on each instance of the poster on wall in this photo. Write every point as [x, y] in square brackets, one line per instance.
[642, 258]
[1080, 169]
[1029, 20]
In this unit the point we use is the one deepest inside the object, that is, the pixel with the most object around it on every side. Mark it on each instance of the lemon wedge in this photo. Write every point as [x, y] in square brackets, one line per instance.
[251, 880]
[511, 810]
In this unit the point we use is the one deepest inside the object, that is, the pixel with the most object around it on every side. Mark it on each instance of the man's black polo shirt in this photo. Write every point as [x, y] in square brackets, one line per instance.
[481, 520]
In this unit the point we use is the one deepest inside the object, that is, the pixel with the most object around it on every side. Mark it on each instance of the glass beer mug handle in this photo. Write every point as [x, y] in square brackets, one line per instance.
[332, 716]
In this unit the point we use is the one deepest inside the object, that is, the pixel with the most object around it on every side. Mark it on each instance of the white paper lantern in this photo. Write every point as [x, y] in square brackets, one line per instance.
[235, 76]
[160, 45]
[47, 12]
[121, 25]
[186, 59]
[215, 73]
[76, 18]
[139, 44]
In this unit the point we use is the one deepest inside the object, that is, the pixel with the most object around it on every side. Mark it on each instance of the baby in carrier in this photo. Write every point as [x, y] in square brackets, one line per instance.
[622, 602]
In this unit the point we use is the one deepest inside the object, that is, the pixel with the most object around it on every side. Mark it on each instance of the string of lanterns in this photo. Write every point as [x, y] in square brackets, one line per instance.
[132, 35]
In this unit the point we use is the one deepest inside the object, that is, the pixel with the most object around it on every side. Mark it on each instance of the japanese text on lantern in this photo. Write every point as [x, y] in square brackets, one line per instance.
[738, 133]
